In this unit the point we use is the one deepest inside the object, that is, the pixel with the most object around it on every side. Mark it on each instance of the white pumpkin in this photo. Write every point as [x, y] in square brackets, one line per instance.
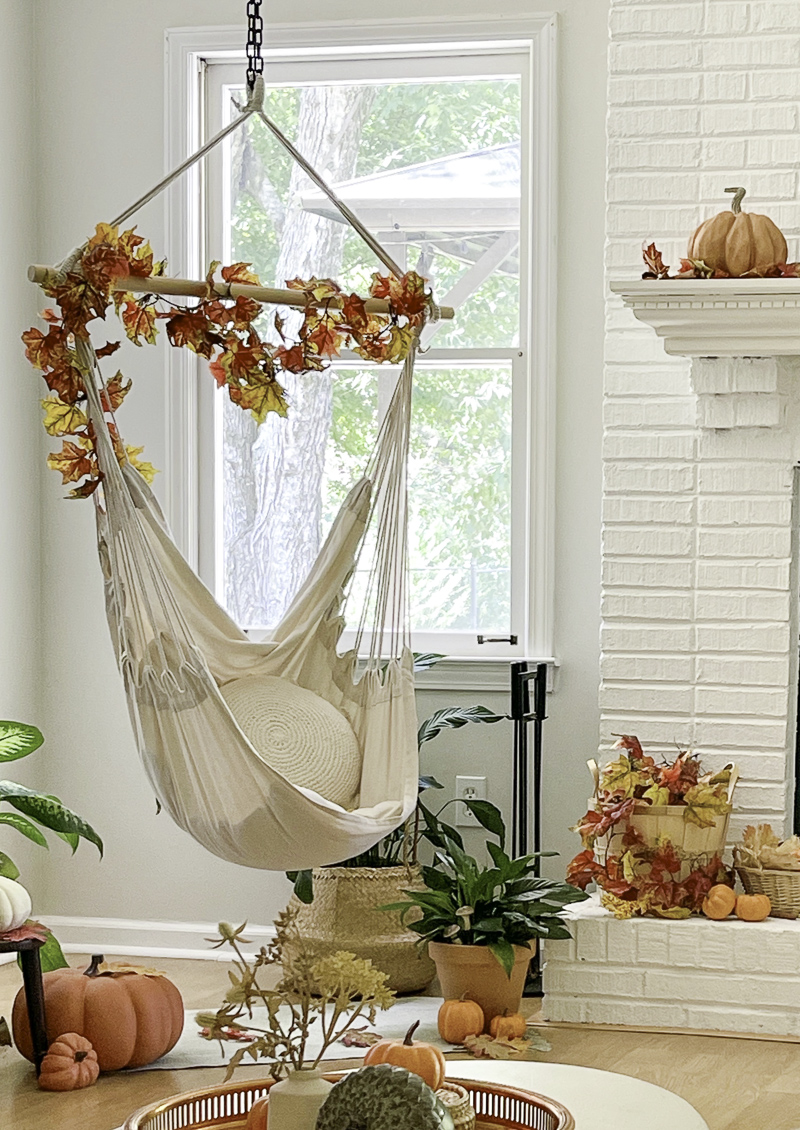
[15, 905]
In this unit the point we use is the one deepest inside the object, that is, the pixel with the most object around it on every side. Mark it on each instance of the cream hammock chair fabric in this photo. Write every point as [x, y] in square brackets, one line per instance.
[283, 754]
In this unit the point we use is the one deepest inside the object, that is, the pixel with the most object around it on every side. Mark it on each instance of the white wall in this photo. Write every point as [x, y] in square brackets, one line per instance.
[100, 69]
[19, 466]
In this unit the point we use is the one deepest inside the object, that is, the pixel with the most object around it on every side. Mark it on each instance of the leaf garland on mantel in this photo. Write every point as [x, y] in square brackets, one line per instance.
[697, 269]
[219, 329]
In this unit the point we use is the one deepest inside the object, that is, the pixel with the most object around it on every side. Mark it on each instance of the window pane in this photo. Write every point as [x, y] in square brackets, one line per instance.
[460, 499]
[433, 168]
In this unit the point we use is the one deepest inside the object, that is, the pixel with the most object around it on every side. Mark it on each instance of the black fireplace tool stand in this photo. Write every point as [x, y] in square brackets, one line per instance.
[528, 707]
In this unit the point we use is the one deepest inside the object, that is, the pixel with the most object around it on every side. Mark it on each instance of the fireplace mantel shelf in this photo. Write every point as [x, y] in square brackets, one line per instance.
[719, 317]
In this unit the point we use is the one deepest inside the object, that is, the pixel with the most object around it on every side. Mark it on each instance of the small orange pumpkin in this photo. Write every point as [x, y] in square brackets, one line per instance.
[719, 902]
[509, 1026]
[753, 908]
[458, 1019]
[737, 242]
[259, 1113]
[424, 1060]
[70, 1064]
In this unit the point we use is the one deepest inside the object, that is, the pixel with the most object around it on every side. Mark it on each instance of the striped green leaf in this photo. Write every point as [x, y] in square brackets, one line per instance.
[48, 811]
[18, 740]
[23, 825]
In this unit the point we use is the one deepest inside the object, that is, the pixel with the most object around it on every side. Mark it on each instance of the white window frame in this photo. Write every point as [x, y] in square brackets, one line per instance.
[189, 53]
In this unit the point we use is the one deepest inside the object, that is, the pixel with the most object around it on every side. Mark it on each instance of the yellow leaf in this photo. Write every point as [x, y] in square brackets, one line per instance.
[703, 805]
[62, 419]
[146, 470]
[621, 776]
[119, 968]
[104, 234]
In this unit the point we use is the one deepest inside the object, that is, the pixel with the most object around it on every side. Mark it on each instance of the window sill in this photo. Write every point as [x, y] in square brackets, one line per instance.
[467, 673]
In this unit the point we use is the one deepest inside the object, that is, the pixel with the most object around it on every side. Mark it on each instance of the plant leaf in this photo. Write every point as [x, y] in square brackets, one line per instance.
[23, 825]
[18, 740]
[48, 811]
[303, 884]
[504, 952]
[453, 718]
[8, 869]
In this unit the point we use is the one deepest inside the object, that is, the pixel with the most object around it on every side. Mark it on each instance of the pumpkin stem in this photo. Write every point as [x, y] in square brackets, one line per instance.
[736, 203]
[93, 971]
[80, 1056]
[407, 1040]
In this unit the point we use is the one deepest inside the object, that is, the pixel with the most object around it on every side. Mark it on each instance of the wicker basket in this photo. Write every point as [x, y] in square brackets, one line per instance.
[344, 916]
[457, 1100]
[227, 1106]
[781, 887]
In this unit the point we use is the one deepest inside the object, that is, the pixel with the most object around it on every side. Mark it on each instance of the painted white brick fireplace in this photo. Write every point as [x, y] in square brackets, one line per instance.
[699, 637]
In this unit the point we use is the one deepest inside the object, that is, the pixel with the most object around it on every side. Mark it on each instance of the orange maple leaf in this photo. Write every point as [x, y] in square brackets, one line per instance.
[240, 273]
[103, 264]
[80, 303]
[114, 392]
[73, 461]
[193, 329]
[139, 321]
[293, 360]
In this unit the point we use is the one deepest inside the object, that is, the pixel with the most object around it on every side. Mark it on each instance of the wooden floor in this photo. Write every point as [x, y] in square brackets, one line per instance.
[734, 1084]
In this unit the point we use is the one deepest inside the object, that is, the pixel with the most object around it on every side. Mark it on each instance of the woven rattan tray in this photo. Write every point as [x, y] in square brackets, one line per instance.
[227, 1106]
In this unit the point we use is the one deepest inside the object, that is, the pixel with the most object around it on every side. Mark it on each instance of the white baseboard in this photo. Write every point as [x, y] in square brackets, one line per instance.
[115, 936]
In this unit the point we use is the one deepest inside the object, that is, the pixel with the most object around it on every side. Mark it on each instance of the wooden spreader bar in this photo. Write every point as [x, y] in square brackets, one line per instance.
[189, 288]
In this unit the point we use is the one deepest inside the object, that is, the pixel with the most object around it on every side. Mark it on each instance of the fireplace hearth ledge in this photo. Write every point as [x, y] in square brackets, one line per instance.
[696, 974]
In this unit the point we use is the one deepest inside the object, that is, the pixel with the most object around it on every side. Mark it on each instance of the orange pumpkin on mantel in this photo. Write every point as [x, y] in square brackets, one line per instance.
[753, 908]
[737, 242]
[70, 1064]
[131, 1016]
[719, 902]
[422, 1059]
[460, 1018]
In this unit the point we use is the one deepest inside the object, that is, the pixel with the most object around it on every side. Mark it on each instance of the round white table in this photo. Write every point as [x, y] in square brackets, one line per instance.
[598, 1100]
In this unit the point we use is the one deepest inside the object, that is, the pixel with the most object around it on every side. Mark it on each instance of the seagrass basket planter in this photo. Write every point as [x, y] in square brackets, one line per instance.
[782, 888]
[344, 916]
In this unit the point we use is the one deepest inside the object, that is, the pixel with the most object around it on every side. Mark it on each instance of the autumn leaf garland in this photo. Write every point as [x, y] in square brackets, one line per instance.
[220, 329]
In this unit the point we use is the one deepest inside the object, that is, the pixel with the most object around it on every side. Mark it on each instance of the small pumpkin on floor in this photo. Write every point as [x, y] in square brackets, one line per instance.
[509, 1026]
[422, 1059]
[460, 1018]
[70, 1064]
[753, 908]
[719, 902]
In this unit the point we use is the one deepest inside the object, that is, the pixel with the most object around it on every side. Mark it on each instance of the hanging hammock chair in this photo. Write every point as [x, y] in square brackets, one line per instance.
[282, 754]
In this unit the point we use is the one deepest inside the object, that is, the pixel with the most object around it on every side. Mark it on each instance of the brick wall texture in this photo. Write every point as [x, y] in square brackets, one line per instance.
[699, 634]
[722, 976]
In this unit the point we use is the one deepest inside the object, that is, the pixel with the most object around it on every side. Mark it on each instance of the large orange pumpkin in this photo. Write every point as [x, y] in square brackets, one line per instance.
[460, 1018]
[737, 242]
[424, 1060]
[130, 1018]
[70, 1064]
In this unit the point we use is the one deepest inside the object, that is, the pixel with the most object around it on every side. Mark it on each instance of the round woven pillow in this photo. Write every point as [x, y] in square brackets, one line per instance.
[299, 734]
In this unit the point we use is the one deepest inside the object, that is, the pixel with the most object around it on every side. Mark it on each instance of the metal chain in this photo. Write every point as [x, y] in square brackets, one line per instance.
[255, 38]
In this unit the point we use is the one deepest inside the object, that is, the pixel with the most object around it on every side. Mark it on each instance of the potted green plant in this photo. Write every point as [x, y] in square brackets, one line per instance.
[337, 907]
[480, 923]
[34, 811]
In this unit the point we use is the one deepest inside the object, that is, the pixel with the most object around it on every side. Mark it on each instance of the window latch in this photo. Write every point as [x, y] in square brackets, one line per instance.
[497, 639]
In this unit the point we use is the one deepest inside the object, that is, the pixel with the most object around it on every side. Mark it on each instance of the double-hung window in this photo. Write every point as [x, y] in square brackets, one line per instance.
[436, 145]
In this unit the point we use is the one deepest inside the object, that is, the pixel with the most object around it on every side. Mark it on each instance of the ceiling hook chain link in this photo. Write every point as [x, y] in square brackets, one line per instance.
[255, 39]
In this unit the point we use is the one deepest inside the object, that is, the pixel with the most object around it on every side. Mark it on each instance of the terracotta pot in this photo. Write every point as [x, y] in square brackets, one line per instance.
[475, 970]
[344, 916]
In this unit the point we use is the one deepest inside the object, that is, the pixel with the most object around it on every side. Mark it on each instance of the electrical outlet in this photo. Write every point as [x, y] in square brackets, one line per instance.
[469, 788]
